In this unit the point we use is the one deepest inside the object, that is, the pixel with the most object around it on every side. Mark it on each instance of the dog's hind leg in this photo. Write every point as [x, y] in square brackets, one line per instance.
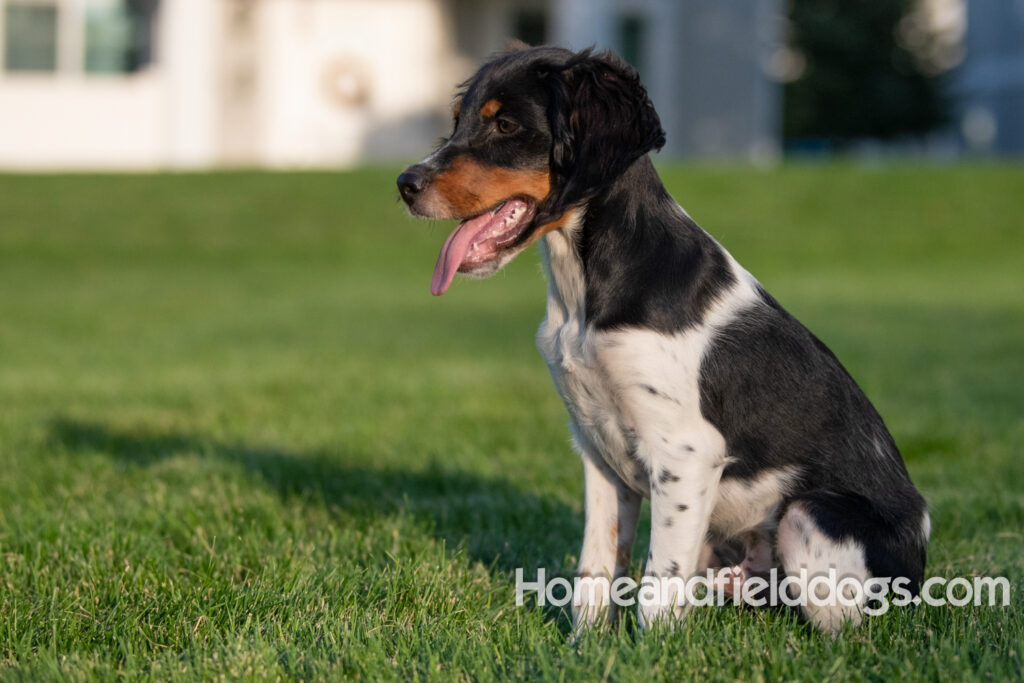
[861, 551]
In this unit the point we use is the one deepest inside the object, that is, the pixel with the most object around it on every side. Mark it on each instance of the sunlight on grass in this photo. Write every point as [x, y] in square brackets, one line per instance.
[239, 437]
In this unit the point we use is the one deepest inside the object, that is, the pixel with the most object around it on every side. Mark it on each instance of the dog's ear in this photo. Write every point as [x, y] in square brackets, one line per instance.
[601, 122]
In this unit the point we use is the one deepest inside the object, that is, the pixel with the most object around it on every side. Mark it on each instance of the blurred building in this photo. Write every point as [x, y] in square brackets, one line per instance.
[989, 84]
[199, 83]
[708, 65]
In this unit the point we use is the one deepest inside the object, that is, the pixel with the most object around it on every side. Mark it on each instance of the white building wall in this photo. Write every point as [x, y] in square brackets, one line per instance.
[325, 83]
[178, 112]
[66, 122]
[186, 64]
[343, 80]
[161, 116]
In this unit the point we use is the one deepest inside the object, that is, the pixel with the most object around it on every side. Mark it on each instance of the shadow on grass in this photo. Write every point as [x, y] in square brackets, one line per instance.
[497, 523]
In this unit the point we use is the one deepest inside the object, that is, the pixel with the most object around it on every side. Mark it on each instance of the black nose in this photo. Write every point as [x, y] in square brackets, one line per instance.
[411, 183]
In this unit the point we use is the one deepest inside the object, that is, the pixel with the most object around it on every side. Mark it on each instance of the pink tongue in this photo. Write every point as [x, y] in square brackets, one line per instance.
[454, 252]
[458, 244]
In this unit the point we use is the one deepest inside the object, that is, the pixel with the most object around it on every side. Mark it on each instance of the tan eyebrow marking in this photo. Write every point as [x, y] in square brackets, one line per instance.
[490, 108]
[456, 108]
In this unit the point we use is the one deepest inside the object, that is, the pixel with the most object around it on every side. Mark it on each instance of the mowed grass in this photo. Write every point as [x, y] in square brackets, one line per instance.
[239, 438]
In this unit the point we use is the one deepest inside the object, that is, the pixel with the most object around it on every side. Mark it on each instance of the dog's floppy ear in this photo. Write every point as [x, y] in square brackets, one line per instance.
[601, 120]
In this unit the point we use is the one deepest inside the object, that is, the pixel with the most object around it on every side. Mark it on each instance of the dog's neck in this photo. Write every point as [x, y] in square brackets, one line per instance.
[564, 269]
[630, 218]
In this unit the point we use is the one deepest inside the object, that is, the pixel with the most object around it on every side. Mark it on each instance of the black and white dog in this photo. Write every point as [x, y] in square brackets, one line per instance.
[685, 381]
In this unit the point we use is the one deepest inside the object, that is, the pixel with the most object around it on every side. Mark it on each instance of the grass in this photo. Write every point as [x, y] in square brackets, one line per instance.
[239, 439]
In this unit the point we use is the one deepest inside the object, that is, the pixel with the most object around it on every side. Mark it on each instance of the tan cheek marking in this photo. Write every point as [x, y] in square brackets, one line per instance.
[553, 225]
[468, 187]
[490, 108]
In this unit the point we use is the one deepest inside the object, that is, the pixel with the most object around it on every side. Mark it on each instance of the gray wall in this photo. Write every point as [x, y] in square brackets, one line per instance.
[701, 60]
[989, 85]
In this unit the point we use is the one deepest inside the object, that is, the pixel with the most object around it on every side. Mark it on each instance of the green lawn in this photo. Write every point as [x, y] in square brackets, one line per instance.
[239, 438]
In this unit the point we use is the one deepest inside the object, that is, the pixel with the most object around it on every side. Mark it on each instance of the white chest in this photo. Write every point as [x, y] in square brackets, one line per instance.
[569, 348]
[633, 395]
[599, 422]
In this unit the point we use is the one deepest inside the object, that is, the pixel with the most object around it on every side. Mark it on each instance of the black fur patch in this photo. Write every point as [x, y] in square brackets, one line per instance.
[780, 398]
[645, 263]
[893, 546]
[665, 476]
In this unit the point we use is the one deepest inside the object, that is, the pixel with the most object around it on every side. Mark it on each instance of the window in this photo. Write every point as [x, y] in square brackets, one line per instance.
[631, 40]
[117, 35]
[30, 36]
[77, 36]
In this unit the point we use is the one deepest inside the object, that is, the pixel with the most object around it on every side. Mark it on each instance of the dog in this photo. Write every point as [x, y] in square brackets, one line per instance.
[685, 381]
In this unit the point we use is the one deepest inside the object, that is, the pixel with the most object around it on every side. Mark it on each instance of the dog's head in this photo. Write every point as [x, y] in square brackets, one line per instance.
[536, 133]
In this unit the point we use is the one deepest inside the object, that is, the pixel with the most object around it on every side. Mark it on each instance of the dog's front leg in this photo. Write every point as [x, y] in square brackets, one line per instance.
[611, 516]
[683, 490]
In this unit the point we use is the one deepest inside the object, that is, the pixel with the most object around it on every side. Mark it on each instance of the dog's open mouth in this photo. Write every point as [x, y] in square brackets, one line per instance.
[480, 239]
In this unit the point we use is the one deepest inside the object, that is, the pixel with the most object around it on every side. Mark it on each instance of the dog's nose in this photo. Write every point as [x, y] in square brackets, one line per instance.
[411, 183]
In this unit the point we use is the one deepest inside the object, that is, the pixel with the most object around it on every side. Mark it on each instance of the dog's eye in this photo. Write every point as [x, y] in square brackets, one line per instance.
[506, 126]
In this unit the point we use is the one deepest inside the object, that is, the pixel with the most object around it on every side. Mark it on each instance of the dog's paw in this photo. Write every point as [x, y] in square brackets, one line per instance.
[592, 606]
[661, 602]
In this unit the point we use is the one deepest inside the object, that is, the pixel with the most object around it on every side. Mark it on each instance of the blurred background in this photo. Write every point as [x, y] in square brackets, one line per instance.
[149, 84]
[239, 439]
